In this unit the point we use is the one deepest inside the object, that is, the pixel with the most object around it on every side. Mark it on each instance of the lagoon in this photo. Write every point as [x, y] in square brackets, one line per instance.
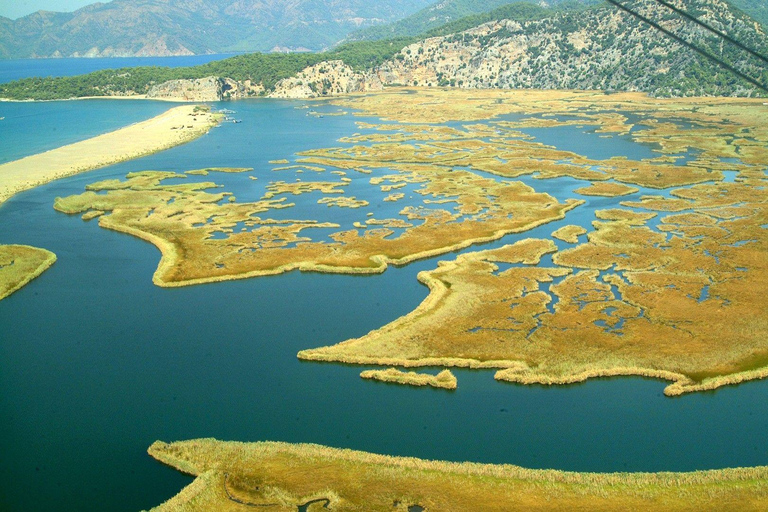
[96, 362]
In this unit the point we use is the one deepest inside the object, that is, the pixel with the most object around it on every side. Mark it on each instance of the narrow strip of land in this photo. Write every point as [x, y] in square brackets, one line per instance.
[281, 476]
[175, 126]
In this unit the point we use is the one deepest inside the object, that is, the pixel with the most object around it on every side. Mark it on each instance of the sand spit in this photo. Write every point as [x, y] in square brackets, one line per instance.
[172, 128]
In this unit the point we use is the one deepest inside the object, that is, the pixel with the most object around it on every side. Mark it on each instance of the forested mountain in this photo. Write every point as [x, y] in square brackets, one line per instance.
[444, 12]
[185, 27]
[515, 46]
[601, 47]
[758, 9]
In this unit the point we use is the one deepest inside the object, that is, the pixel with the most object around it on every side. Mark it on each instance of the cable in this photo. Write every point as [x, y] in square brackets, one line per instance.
[689, 45]
[713, 30]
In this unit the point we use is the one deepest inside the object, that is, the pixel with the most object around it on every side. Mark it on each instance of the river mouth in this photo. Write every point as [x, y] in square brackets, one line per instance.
[98, 362]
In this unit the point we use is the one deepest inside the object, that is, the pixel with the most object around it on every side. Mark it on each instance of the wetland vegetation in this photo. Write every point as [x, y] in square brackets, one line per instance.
[669, 285]
[19, 264]
[280, 476]
[445, 379]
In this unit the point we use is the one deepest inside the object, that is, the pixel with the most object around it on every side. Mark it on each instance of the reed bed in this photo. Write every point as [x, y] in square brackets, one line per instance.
[282, 476]
[445, 379]
[606, 190]
[570, 233]
[20, 264]
[629, 301]
[181, 220]
[683, 300]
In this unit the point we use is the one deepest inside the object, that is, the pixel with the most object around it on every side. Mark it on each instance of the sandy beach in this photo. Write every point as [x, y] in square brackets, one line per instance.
[175, 126]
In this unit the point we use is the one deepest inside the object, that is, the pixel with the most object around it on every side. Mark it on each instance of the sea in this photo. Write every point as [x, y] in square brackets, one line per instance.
[96, 362]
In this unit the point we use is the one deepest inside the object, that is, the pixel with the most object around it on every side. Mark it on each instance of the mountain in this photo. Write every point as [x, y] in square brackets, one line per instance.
[522, 46]
[596, 48]
[185, 27]
[758, 9]
[445, 12]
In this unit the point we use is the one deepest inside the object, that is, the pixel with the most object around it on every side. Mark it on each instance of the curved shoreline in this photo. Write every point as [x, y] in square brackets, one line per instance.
[176, 126]
[50, 259]
[508, 370]
[168, 253]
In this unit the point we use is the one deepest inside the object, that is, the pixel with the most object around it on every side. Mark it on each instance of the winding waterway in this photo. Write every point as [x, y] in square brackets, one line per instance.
[96, 362]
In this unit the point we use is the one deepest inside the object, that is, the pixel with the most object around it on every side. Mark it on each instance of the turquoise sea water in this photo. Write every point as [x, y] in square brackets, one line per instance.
[23, 68]
[96, 362]
[29, 128]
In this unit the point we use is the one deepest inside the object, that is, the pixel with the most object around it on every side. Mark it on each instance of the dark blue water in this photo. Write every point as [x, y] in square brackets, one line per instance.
[24, 68]
[96, 363]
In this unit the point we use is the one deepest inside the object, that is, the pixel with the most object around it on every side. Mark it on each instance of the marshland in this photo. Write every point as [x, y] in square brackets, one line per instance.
[489, 187]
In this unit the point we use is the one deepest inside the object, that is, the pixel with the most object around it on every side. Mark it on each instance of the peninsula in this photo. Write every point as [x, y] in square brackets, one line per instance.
[284, 477]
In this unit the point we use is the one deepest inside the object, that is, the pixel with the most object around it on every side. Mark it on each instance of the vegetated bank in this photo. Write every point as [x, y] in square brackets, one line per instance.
[282, 476]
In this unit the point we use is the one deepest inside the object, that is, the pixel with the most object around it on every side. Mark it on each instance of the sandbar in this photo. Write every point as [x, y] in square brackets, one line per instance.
[171, 128]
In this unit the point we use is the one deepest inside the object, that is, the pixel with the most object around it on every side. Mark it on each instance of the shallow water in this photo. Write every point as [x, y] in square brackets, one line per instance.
[29, 128]
[96, 362]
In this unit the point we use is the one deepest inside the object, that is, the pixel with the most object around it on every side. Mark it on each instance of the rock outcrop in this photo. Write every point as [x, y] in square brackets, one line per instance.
[210, 88]
[326, 79]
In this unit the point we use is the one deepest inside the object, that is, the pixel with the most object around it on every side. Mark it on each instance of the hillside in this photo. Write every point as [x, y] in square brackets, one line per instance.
[758, 9]
[598, 48]
[524, 46]
[444, 13]
[184, 27]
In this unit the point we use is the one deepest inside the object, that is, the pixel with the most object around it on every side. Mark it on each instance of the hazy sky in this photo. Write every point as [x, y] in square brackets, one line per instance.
[17, 8]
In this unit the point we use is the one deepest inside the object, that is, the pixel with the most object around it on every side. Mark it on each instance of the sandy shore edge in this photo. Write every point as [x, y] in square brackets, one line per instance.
[176, 126]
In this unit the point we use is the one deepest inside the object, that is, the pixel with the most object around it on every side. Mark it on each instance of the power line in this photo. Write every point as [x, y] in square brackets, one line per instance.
[693, 47]
[713, 30]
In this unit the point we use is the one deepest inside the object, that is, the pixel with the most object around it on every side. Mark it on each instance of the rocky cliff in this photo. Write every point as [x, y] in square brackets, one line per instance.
[326, 79]
[210, 88]
[601, 48]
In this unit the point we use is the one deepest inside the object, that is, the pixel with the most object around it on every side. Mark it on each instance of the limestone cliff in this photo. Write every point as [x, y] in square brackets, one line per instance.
[326, 79]
[210, 88]
[601, 48]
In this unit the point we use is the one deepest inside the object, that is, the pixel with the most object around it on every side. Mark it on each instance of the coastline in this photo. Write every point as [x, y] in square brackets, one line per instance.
[137, 97]
[176, 126]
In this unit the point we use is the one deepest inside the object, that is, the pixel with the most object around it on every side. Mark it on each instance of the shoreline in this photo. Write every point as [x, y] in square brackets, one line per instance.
[137, 97]
[173, 127]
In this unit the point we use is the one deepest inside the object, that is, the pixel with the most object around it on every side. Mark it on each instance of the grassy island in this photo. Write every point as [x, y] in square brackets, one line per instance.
[181, 220]
[445, 379]
[280, 476]
[19, 264]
